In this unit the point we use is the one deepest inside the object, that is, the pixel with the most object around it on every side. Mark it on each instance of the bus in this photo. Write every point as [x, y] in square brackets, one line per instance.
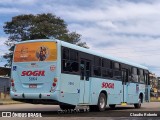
[59, 73]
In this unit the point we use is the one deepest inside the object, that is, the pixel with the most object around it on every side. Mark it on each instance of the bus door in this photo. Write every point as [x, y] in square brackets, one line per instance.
[124, 85]
[85, 70]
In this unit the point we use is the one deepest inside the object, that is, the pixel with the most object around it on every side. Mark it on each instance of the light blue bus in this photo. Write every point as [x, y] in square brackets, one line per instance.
[55, 72]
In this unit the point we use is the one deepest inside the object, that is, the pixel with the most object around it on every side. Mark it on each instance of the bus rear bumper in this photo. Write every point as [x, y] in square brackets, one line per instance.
[35, 96]
[38, 101]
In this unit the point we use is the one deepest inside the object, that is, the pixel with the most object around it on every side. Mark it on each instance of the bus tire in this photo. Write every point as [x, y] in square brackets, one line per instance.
[66, 107]
[112, 106]
[101, 106]
[138, 105]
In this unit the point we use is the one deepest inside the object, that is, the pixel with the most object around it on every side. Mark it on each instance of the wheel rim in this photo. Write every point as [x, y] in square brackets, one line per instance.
[102, 102]
[139, 102]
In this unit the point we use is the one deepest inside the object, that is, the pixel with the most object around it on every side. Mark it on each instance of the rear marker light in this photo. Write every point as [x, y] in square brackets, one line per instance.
[12, 80]
[55, 79]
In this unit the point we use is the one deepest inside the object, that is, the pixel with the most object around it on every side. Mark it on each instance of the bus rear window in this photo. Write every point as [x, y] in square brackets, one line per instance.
[35, 51]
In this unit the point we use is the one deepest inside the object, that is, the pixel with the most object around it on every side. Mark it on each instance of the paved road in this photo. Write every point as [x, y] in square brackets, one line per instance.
[152, 106]
[54, 111]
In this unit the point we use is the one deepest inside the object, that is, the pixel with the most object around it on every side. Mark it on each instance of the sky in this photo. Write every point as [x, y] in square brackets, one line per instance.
[129, 29]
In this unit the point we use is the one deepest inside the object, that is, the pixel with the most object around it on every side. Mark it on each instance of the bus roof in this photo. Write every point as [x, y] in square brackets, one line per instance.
[65, 44]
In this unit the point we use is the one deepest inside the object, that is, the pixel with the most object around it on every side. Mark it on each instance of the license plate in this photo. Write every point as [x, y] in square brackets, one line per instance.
[33, 86]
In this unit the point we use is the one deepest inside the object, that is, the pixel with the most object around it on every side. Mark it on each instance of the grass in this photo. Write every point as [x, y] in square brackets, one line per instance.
[154, 99]
[4, 97]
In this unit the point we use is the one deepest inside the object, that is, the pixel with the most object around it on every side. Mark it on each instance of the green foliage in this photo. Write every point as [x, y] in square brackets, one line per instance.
[40, 26]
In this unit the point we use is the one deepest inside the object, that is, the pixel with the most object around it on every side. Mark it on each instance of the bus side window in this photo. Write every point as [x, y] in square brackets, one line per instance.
[65, 53]
[147, 82]
[107, 73]
[66, 65]
[97, 71]
[117, 74]
[129, 75]
[82, 69]
[97, 66]
[87, 70]
[106, 68]
[106, 63]
[65, 58]
[75, 66]
[73, 55]
[134, 74]
[70, 60]
[116, 66]
[141, 76]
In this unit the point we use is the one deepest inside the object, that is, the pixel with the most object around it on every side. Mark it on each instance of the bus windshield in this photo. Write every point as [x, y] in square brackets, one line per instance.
[35, 51]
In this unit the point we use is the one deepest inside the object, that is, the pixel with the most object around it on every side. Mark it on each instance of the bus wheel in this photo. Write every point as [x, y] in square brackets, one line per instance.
[66, 107]
[101, 102]
[138, 105]
[112, 106]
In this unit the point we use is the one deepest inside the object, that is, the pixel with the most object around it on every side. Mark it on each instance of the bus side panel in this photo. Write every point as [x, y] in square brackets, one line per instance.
[116, 93]
[142, 90]
[69, 89]
[113, 89]
[133, 91]
[68, 84]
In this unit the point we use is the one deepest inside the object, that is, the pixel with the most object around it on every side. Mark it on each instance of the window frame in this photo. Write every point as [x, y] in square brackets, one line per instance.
[69, 60]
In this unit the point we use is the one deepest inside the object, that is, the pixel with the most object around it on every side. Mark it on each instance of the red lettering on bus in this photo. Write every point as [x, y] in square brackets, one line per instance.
[33, 73]
[107, 85]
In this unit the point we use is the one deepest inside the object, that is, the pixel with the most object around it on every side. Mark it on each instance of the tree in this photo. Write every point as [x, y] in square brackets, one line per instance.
[40, 26]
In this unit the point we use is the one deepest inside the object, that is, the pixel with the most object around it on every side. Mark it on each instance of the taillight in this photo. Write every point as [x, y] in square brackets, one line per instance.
[54, 84]
[12, 84]
[55, 80]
